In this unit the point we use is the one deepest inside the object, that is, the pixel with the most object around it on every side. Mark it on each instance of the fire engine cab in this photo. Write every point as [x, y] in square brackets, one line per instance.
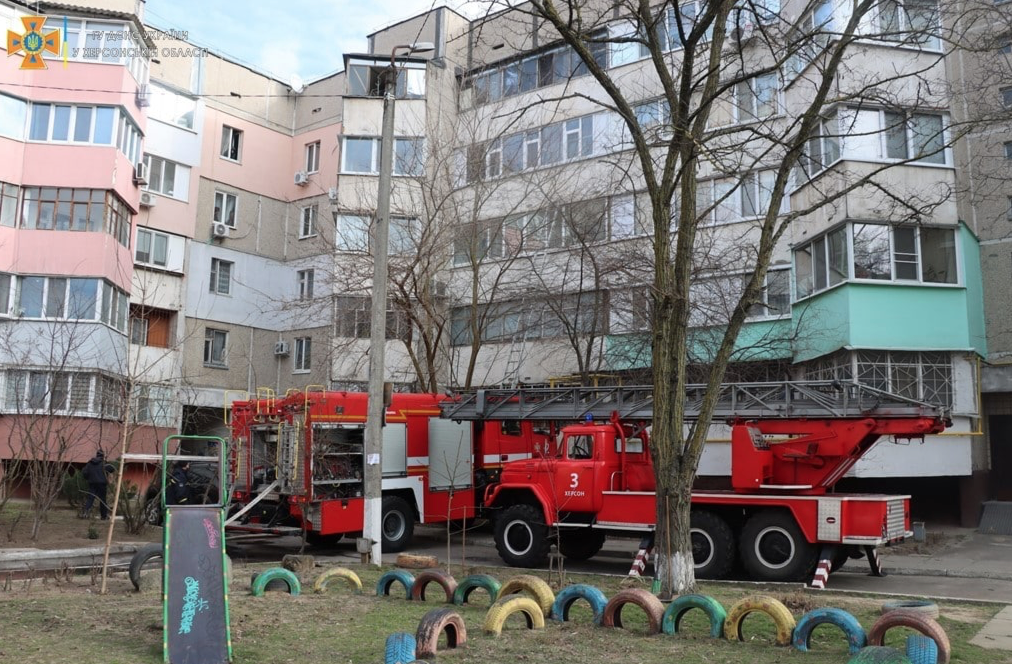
[791, 443]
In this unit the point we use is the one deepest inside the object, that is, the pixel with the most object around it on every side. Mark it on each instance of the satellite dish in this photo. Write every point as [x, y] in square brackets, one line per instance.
[297, 84]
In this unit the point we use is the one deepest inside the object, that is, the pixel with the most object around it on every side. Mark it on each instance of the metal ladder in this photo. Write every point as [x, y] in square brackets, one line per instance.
[817, 399]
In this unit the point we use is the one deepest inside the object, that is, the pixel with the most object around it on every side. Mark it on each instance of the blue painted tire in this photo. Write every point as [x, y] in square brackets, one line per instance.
[276, 574]
[857, 638]
[921, 649]
[568, 595]
[713, 609]
[473, 582]
[406, 579]
[400, 648]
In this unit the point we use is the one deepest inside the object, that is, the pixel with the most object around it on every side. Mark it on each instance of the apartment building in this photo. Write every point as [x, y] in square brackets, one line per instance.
[520, 229]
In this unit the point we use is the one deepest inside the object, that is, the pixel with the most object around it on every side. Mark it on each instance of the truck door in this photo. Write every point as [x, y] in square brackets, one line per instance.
[574, 476]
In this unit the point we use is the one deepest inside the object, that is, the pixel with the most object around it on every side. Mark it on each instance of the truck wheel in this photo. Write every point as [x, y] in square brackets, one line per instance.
[153, 510]
[581, 544]
[521, 536]
[774, 549]
[712, 545]
[398, 524]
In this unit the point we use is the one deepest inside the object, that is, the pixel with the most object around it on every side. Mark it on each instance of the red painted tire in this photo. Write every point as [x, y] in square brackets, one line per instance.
[643, 599]
[445, 581]
[434, 623]
[926, 626]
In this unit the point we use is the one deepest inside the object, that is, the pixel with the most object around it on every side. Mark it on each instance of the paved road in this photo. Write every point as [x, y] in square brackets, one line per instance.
[618, 554]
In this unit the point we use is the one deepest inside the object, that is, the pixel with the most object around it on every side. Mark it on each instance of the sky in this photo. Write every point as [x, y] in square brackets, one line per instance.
[303, 37]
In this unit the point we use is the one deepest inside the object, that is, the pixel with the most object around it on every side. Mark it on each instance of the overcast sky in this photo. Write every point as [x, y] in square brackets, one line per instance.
[304, 37]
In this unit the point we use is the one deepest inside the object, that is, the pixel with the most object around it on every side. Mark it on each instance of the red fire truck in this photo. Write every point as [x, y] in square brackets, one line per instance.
[297, 464]
[790, 444]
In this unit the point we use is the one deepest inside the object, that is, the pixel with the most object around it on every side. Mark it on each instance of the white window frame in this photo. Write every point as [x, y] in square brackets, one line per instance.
[222, 272]
[303, 360]
[307, 221]
[885, 124]
[313, 157]
[360, 225]
[210, 336]
[373, 158]
[221, 199]
[158, 186]
[229, 135]
[151, 258]
[306, 278]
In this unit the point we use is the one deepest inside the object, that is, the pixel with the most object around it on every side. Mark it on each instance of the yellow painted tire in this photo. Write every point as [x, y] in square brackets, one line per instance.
[539, 591]
[781, 615]
[320, 585]
[507, 606]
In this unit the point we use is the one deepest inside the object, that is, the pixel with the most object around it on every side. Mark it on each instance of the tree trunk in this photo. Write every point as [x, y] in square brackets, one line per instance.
[673, 561]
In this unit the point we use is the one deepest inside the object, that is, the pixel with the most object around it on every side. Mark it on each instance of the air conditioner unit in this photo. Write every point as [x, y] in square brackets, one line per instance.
[301, 178]
[143, 95]
[141, 174]
[148, 199]
[332, 194]
[281, 348]
[218, 229]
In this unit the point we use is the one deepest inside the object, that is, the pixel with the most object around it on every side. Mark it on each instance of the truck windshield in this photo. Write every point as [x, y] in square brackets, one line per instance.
[580, 447]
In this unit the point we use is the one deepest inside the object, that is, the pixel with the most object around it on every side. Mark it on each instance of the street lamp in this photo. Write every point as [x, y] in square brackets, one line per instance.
[372, 528]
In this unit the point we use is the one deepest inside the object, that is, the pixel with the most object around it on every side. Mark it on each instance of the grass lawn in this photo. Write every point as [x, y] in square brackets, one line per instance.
[67, 621]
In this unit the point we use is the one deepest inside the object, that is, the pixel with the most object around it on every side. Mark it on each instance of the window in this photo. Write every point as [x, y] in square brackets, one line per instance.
[909, 21]
[138, 331]
[721, 202]
[172, 107]
[55, 392]
[162, 177]
[1008, 209]
[357, 156]
[367, 80]
[353, 232]
[353, 317]
[221, 276]
[307, 223]
[128, 139]
[409, 158]
[8, 204]
[775, 299]
[75, 124]
[823, 148]
[653, 113]
[303, 354]
[1006, 99]
[313, 157]
[631, 311]
[580, 447]
[152, 248]
[225, 205]
[150, 326]
[403, 236]
[153, 404]
[361, 155]
[821, 263]
[231, 143]
[1008, 150]
[6, 281]
[13, 112]
[306, 284]
[917, 136]
[552, 144]
[475, 243]
[57, 298]
[215, 344]
[756, 98]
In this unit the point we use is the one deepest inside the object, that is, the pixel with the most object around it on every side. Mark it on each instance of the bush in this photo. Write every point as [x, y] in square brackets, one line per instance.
[74, 488]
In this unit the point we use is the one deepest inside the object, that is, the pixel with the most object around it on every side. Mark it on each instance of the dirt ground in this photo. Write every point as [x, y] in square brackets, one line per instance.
[63, 530]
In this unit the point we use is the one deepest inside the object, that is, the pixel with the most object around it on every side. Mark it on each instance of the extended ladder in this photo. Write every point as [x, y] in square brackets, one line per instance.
[795, 399]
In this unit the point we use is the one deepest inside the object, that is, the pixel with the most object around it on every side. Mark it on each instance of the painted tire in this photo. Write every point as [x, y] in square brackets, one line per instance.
[713, 609]
[926, 626]
[406, 579]
[856, 636]
[276, 574]
[922, 606]
[507, 606]
[568, 595]
[878, 655]
[471, 583]
[337, 573]
[921, 649]
[143, 555]
[781, 615]
[445, 581]
[434, 623]
[400, 649]
[540, 591]
[644, 599]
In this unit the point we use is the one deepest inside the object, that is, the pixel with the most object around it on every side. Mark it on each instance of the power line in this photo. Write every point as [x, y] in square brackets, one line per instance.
[127, 92]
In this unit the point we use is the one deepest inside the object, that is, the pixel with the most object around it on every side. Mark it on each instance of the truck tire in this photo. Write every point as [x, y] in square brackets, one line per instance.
[388, 579]
[774, 608]
[503, 608]
[521, 536]
[354, 582]
[400, 648]
[582, 544]
[879, 655]
[713, 609]
[921, 649]
[473, 582]
[143, 555]
[917, 622]
[773, 548]
[712, 545]
[434, 623]
[537, 589]
[856, 636]
[644, 599]
[568, 596]
[445, 581]
[398, 524]
[153, 510]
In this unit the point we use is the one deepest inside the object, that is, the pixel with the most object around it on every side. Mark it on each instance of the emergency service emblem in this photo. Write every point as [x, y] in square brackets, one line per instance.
[33, 43]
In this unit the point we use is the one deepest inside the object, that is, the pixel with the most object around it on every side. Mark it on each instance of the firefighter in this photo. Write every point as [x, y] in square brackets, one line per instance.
[178, 491]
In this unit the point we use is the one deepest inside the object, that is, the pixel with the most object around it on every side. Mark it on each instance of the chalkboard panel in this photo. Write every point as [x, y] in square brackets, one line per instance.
[196, 595]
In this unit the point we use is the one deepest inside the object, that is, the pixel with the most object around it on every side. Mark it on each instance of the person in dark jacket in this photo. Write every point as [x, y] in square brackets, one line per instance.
[96, 475]
[178, 491]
